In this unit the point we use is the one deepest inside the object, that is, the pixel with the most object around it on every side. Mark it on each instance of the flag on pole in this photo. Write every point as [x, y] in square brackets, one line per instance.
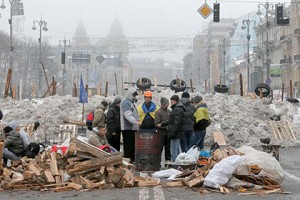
[83, 97]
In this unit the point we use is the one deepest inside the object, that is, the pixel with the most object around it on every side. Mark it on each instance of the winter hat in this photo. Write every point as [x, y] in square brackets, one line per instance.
[14, 125]
[164, 101]
[175, 98]
[197, 99]
[185, 95]
[104, 103]
[117, 100]
[7, 129]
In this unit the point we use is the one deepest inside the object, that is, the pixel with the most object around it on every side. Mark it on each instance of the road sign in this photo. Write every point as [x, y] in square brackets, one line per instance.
[205, 10]
[268, 81]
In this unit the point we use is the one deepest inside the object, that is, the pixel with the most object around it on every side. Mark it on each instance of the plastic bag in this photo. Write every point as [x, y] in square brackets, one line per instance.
[166, 173]
[270, 166]
[185, 158]
[221, 173]
[194, 151]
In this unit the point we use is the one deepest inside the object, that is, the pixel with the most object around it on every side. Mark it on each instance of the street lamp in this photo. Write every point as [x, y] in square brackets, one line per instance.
[65, 43]
[247, 22]
[16, 8]
[42, 26]
[269, 12]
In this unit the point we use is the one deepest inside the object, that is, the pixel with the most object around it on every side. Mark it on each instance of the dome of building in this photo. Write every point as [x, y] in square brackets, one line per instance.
[116, 29]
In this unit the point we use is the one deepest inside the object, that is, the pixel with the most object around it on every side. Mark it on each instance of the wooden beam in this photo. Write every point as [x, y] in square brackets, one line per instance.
[7, 86]
[241, 85]
[106, 89]
[90, 149]
[95, 163]
[116, 81]
[1, 155]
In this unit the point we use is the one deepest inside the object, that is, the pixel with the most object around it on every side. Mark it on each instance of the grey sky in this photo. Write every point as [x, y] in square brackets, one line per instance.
[138, 17]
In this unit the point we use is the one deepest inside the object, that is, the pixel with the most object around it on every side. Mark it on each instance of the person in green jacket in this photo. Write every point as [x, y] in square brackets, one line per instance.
[202, 121]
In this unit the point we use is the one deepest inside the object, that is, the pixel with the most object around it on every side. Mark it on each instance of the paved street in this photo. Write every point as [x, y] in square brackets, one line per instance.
[289, 158]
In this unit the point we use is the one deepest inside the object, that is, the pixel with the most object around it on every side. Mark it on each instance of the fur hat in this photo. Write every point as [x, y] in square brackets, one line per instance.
[164, 101]
[197, 99]
[117, 100]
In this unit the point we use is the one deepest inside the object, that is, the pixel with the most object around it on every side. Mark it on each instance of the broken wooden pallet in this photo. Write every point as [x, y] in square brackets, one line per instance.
[219, 138]
[66, 131]
[282, 130]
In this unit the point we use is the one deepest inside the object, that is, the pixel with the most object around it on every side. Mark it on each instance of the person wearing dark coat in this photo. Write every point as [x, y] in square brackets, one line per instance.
[161, 122]
[175, 126]
[187, 140]
[13, 147]
[113, 134]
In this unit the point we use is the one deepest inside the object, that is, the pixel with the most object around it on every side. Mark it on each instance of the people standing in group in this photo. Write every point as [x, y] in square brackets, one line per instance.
[99, 114]
[161, 122]
[175, 126]
[202, 121]
[147, 111]
[113, 134]
[187, 140]
[129, 122]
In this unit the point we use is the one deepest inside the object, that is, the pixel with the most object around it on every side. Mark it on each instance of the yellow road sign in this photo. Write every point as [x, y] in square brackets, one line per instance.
[205, 10]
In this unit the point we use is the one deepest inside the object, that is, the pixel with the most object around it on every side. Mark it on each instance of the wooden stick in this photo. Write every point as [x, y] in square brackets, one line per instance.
[291, 88]
[276, 128]
[282, 91]
[106, 89]
[116, 84]
[7, 86]
[241, 85]
[287, 131]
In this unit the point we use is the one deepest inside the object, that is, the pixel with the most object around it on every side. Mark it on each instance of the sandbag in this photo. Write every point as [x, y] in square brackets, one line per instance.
[270, 166]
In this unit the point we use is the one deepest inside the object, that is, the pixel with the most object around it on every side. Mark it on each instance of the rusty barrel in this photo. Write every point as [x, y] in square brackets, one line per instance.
[147, 150]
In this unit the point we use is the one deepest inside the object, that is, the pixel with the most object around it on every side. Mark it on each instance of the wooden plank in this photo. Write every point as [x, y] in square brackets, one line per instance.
[90, 149]
[291, 130]
[148, 183]
[7, 85]
[75, 186]
[273, 130]
[32, 168]
[286, 130]
[96, 163]
[174, 184]
[48, 175]
[278, 132]
[219, 138]
[196, 181]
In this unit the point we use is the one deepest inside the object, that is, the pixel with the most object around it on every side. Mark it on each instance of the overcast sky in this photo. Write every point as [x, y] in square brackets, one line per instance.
[138, 17]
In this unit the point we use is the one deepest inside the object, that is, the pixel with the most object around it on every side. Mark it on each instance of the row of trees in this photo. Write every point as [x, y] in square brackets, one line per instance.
[26, 66]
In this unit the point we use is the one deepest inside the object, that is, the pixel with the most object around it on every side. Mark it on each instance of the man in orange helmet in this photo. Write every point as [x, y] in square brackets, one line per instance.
[147, 111]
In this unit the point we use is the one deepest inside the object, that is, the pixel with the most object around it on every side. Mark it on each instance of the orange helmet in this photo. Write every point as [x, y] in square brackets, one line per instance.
[147, 94]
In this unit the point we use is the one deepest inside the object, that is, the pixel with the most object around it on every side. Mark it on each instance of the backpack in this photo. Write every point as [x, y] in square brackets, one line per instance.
[90, 119]
[33, 149]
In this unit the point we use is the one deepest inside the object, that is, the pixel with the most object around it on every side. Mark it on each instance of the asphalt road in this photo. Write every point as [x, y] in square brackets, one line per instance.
[289, 159]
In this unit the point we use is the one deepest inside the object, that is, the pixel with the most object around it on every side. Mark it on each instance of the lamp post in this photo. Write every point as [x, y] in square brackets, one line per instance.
[65, 43]
[16, 8]
[269, 11]
[247, 22]
[42, 26]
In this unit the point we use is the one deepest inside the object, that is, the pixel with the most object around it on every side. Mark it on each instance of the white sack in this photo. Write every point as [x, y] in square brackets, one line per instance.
[222, 171]
[166, 173]
[270, 166]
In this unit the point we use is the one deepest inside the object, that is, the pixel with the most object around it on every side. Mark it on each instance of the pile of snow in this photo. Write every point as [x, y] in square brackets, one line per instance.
[243, 121]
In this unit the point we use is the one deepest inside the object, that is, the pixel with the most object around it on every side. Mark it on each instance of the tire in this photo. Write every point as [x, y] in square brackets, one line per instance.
[292, 100]
[221, 88]
[265, 89]
[177, 88]
[143, 83]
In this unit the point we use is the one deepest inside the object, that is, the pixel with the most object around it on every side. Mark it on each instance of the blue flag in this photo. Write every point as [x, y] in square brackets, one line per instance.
[83, 97]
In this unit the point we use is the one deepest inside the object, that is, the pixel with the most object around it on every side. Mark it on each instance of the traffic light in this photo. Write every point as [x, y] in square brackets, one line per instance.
[280, 20]
[63, 58]
[216, 12]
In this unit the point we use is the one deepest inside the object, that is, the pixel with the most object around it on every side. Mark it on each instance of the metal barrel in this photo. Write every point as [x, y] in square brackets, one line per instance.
[147, 150]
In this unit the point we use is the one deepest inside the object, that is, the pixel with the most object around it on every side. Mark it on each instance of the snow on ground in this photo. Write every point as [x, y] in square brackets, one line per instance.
[243, 121]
